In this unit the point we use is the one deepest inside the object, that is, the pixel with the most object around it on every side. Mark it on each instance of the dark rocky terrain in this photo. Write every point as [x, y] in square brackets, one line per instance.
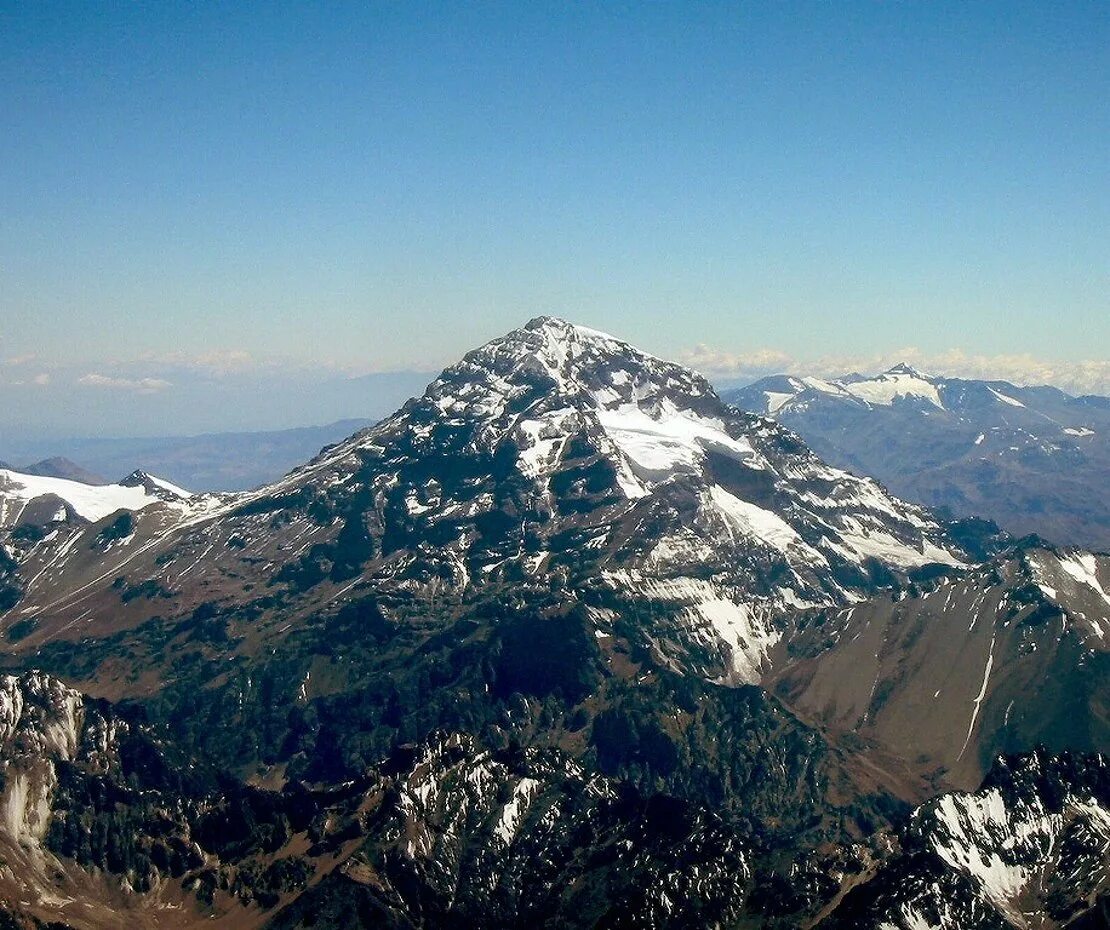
[566, 641]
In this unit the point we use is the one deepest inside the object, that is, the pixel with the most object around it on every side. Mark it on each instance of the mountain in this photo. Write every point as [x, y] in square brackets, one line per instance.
[555, 461]
[47, 515]
[1033, 459]
[565, 641]
[209, 462]
[59, 467]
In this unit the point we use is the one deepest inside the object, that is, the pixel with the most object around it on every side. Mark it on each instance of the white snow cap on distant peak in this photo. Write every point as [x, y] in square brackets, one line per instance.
[154, 484]
[905, 368]
[899, 381]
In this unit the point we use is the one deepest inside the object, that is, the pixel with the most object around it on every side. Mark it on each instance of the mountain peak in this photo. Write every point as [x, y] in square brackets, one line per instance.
[579, 364]
[558, 326]
[556, 331]
[544, 321]
[557, 432]
[158, 487]
[904, 368]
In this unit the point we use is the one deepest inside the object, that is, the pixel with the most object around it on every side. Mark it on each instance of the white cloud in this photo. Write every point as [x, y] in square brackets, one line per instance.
[1088, 376]
[217, 362]
[714, 361]
[138, 385]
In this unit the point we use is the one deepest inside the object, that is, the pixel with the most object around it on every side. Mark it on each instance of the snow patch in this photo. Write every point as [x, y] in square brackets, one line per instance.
[775, 400]
[764, 525]
[513, 812]
[886, 388]
[1083, 567]
[90, 502]
[672, 439]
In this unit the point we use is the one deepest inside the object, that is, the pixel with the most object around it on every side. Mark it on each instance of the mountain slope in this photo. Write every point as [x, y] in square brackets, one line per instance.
[1035, 460]
[105, 823]
[1013, 654]
[43, 518]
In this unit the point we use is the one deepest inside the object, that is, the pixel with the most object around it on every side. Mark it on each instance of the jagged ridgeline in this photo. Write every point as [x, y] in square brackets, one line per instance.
[566, 641]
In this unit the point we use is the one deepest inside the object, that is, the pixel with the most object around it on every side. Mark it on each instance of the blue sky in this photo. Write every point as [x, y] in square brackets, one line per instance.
[191, 192]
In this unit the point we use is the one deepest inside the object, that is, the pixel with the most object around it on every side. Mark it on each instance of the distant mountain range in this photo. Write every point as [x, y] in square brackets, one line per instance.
[1033, 459]
[209, 462]
[58, 467]
[566, 641]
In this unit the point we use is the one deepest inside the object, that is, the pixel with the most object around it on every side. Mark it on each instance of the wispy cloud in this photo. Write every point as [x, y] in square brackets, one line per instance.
[217, 362]
[40, 380]
[713, 361]
[1088, 376]
[138, 385]
[226, 363]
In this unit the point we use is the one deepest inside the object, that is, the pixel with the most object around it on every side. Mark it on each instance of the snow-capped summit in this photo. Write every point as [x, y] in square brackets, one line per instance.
[549, 379]
[905, 368]
[897, 384]
[581, 366]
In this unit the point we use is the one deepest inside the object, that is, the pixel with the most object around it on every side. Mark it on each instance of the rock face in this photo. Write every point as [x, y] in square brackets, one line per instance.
[41, 722]
[566, 641]
[1033, 459]
[1031, 848]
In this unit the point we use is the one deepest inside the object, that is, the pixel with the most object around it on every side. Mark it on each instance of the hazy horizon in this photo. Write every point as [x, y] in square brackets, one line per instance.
[217, 218]
[264, 400]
